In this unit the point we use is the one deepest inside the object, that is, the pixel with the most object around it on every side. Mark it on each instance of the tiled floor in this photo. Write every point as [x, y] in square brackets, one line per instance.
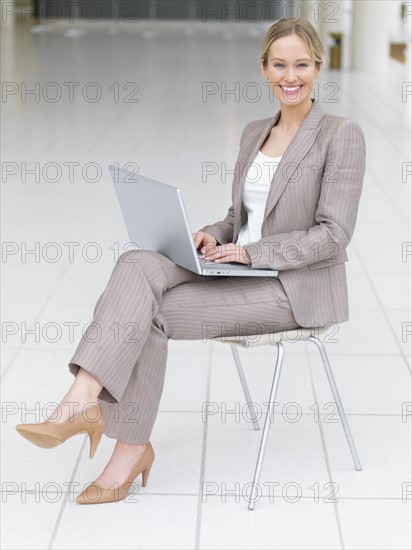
[196, 497]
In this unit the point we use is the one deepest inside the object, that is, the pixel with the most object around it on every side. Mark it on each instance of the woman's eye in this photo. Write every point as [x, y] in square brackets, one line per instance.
[300, 65]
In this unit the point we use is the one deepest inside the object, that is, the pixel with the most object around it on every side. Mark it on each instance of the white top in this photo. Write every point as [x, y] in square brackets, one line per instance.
[255, 193]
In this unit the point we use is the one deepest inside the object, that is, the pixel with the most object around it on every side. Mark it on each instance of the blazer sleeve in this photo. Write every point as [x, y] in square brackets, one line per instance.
[222, 230]
[336, 211]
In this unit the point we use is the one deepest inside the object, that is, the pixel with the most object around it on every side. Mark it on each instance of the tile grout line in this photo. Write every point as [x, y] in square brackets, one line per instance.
[63, 506]
[220, 494]
[325, 453]
[35, 320]
[203, 459]
[382, 308]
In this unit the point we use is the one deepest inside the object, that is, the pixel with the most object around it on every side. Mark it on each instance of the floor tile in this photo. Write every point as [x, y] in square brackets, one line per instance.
[367, 384]
[188, 369]
[385, 524]
[294, 454]
[28, 519]
[360, 336]
[148, 522]
[38, 376]
[29, 467]
[177, 442]
[384, 448]
[294, 383]
[280, 524]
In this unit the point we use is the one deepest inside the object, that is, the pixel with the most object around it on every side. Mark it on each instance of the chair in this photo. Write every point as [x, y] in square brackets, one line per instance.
[277, 339]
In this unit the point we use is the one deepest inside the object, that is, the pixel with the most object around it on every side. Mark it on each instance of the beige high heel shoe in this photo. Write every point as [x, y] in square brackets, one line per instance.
[95, 494]
[50, 434]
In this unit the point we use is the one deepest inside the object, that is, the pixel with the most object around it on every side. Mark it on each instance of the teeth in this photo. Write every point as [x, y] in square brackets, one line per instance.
[290, 89]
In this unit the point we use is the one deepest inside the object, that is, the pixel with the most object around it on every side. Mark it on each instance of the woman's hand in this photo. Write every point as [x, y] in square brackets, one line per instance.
[229, 253]
[206, 241]
[220, 254]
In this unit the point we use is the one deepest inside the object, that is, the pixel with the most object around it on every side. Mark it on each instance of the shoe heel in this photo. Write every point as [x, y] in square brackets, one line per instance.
[94, 437]
[145, 475]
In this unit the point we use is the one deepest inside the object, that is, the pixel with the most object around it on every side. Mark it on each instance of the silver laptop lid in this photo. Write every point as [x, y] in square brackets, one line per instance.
[153, 215]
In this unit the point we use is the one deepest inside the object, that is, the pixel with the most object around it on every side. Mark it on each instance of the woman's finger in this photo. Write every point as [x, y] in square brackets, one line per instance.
[217, 252]
[221, 256]
[228, 253]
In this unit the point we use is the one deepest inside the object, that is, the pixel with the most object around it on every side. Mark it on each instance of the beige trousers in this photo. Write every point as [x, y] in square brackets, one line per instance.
[149, 300]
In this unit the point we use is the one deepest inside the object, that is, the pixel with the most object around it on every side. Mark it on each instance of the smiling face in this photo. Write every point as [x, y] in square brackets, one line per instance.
[290, 70]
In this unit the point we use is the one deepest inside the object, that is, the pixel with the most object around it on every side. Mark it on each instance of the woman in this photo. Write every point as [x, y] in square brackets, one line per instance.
[295, 195]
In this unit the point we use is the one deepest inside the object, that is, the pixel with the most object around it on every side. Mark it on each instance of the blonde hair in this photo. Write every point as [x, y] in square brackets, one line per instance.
[300, 27]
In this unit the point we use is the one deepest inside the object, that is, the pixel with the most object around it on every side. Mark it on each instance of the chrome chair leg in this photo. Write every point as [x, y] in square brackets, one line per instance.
[241, 374]
[337, 398]
[263, 442]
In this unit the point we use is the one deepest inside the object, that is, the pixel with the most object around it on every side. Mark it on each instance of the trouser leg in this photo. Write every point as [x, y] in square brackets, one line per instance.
[199, 310]
[164, 308]
[122, 319]
[132, 418]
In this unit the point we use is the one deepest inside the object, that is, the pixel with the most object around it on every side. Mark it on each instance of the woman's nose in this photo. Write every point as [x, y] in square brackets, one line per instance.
[290, 76]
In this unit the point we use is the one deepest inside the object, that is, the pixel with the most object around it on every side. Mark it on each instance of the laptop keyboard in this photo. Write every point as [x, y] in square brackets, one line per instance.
[207, 263]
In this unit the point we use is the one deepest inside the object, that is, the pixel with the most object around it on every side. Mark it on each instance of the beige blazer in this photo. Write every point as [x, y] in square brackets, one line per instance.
[310, 212]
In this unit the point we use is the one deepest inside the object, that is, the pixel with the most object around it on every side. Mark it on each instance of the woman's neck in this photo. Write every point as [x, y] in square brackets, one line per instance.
[292, 116]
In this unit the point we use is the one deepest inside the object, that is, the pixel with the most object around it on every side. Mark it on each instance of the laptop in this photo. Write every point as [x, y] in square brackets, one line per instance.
[156, 220]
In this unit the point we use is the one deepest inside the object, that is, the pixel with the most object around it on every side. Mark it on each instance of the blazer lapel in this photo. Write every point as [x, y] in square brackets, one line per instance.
[301, 142]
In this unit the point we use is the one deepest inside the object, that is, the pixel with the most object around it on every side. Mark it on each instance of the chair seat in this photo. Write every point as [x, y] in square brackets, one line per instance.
[251, 340]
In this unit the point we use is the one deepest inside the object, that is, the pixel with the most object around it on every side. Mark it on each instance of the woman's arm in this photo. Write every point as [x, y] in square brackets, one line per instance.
[222, 231]
[336, 212]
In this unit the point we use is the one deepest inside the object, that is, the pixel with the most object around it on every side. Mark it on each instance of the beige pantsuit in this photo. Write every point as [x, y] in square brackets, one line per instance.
[148, 300]
[309, 220]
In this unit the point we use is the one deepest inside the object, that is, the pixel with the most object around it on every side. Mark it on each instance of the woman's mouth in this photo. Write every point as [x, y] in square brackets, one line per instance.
[291, 90]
